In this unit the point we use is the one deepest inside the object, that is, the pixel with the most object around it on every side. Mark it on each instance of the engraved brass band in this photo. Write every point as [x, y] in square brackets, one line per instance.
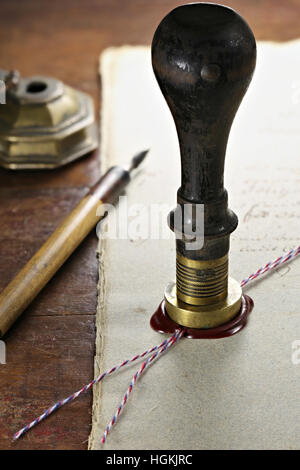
[201, 282]
[208, 316]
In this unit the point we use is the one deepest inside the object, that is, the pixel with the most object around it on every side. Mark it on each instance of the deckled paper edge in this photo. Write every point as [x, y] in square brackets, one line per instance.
[106, 63]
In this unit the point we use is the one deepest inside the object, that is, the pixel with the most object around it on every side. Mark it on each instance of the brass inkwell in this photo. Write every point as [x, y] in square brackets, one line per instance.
[43, 123]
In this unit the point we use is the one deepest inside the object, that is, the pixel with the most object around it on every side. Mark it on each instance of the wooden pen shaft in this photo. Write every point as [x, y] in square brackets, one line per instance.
[56, 250]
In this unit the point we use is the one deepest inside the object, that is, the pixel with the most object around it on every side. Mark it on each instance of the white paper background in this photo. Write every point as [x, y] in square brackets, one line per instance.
[237, 393]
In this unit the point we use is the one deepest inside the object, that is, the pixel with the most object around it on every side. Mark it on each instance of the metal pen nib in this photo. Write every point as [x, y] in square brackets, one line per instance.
[137, 160]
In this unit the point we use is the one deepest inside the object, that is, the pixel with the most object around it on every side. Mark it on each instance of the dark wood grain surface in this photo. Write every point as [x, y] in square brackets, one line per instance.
[50, 349]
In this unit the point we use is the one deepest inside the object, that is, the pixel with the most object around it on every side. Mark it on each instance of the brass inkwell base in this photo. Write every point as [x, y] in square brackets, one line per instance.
[44, 123]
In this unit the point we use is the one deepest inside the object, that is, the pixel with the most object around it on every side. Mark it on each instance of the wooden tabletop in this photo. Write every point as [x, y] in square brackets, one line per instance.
[50, 350]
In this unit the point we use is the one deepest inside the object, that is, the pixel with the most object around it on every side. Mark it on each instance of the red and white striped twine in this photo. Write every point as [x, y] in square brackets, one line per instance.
[156, 352]
[87, 387]
[272, 265]
[176, 336]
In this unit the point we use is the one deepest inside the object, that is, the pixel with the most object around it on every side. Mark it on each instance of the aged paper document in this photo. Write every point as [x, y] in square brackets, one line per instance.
[236, 393]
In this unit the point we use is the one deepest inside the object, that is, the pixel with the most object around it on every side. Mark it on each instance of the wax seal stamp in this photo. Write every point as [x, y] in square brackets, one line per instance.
[203, 57]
